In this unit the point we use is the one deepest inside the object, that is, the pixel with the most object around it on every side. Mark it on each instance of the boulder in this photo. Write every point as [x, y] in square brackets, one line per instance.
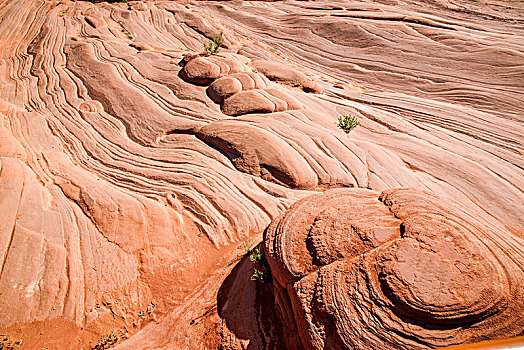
[227, 86]
[277, 71]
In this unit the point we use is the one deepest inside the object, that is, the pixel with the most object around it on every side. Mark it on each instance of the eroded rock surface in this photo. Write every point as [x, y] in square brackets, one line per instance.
[403, 269]
[277, 71]
[227, 86]
[134, 167]
[203, 70]
[275, 161]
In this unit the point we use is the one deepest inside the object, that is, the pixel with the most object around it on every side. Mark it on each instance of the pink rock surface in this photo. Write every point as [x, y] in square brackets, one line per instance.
[259, 101]
[277, 71]
[204, 69]
[133, 167]
[276, 161]
[229, 85]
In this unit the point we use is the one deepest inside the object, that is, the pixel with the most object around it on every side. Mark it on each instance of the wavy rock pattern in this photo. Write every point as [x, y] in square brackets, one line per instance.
[259, 101]
[276, 161]
[403, 269]
[277, 71]
[203, 70]
[226, 87]
[127, 176]
[229, 89]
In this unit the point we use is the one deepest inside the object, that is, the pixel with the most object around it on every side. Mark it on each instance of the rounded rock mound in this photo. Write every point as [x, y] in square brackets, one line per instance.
[401, 269]
[258, 152]
[229, 85]
[260, 101]
[277, 71]
[203, 70]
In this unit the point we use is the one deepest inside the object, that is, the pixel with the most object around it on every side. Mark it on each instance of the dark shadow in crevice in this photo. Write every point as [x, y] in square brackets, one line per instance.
[249, 311]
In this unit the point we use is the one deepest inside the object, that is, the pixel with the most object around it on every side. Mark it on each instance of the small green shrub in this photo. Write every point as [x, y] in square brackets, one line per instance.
[258, 275]
[347, 122]
[6, 344]
[126, 33]
[275, 52]
[106, 342]
[261, 272]
[247, 246]
[256, 255]
[213, 46]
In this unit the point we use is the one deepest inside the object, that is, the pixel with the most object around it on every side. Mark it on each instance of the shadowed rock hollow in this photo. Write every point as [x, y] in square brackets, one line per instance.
[134, 169]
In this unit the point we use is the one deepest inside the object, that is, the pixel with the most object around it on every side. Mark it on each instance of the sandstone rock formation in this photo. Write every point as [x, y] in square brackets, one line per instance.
[281, 72]
[203, 70]
[226, 87]
[404, 269]
[133, 167]
[277, 71]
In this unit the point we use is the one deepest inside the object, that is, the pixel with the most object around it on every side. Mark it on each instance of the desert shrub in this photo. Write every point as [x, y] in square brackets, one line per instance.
[261, 271]
[213, 46]
[106, 342]
[259, 275]
[126, 33]
[256, 255]
[347, 122]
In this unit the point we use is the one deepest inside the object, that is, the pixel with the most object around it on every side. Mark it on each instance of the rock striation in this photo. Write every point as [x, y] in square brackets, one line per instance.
[235, 87]
[134, 168]
[401, 269]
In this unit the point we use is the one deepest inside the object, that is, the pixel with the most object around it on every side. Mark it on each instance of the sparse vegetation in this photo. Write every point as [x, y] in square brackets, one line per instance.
[347, 122]
[213, 46]
[275, 52]
[108, 341]
[261, 272]
[256, 255]
[247, 246]
[7, 344]
[126, 33]
[258, 275]
[147, 312]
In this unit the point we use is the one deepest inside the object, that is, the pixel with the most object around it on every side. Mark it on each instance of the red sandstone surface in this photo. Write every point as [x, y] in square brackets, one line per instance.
[136, 173]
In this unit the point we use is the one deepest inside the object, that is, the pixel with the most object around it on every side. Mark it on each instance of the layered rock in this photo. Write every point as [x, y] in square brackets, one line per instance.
[403, 269]
[235, 87]
[225, 87]
[259, 101]
[260, 153]
[203, 70]
[123, 180]
[283, 73]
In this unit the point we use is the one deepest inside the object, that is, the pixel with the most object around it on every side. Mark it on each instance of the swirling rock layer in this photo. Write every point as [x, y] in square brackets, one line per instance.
[134, 166]
[402, 269]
